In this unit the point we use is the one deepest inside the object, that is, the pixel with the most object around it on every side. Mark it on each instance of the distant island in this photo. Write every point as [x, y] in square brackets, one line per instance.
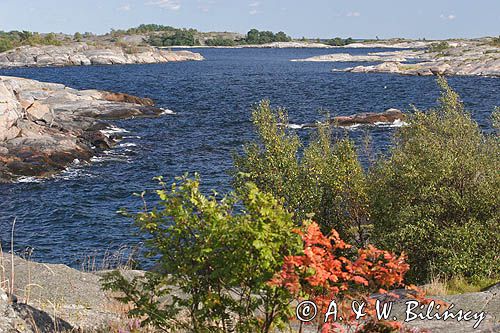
[158, 35]
[153, 43]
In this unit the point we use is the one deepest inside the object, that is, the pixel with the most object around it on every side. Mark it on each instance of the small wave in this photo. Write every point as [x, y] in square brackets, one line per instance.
[127, 144]
[29, 180]
[395, 123]
[113, 130]
[72, 173]
[166, 111]
[351, 127]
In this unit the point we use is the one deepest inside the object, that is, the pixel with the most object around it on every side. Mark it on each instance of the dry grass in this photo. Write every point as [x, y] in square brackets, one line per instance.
[123, 258]
[457, 285]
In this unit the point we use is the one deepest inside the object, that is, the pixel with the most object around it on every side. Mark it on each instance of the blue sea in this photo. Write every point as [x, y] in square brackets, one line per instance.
[73, 216]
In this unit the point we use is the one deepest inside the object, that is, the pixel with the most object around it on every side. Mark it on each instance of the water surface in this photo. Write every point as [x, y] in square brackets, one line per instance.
[74, 215]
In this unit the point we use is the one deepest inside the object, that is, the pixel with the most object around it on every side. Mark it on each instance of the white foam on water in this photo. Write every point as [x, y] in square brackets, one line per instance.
[113, 130]
[395, 123]
[29, 180]
[72, 173]
[166, 111]
[127, 144]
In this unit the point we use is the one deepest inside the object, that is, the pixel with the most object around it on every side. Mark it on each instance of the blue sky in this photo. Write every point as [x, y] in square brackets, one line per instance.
[310, 18]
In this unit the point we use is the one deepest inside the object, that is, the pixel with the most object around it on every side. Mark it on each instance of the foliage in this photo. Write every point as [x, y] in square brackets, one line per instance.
[13, 39]
[255, 36]
[325, 179]
[77, 37]
[177, 38]
[220, 254]
[324, 273]
[339, 41]
[495, 41]
[439, 47]
[437, 196]
[458, 285]
[144, 29]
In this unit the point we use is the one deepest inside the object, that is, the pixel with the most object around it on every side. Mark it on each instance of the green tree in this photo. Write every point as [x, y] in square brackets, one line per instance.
[324, 179]
[437, 196]
[77, 37]
[220, 254]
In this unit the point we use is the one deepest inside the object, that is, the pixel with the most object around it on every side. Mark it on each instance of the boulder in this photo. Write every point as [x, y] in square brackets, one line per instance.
[40, 112]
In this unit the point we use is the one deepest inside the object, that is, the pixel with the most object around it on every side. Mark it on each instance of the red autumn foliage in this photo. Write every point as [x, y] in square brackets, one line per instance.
[324, 273]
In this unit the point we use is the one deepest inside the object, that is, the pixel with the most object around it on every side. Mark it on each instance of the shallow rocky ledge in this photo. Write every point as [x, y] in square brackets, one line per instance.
[56, 298]
[44, 127]
[389, 116]
[81, 54]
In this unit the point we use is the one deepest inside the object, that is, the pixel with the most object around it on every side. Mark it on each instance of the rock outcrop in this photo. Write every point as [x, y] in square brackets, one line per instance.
[463, 59]
[46, 126]
[369, 118]
[81, 54]
[56, 298]
[346, 57]
[390, 116]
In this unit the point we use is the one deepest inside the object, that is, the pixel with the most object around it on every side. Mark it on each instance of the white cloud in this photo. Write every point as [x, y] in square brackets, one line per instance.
[450, 17]
[167, 4]
[353, 14]
[254, 7]
[125, 8]
[205, 5]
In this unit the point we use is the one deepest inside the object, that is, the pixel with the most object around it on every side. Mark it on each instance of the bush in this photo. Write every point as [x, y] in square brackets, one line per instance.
[495, 41]
[180, 37]
[437, 196]
[337, 41]
[255, 36]
[219, 254]
[13, 39]
[323, 273]
[439, 47]
[325, 179]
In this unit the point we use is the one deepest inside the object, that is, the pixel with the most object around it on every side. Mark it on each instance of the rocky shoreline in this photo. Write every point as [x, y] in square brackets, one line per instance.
[83, 54]
[44, 127]
[479, 58]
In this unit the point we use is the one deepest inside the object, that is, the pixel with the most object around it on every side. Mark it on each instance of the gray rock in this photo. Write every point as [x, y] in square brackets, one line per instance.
[45, 126]
[82, 54]
[473, 58]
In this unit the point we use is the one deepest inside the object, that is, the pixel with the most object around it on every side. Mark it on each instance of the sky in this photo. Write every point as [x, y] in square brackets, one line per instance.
[430, 19]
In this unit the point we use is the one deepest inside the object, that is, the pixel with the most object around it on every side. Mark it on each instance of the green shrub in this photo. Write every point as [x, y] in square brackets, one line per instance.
[324, 180]
[437, 196]
[5, 44]
[337, 41]
[13, 39]
[439, 47]
[495, 41]
[180, 37]
[255, 36]
[214, 258]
